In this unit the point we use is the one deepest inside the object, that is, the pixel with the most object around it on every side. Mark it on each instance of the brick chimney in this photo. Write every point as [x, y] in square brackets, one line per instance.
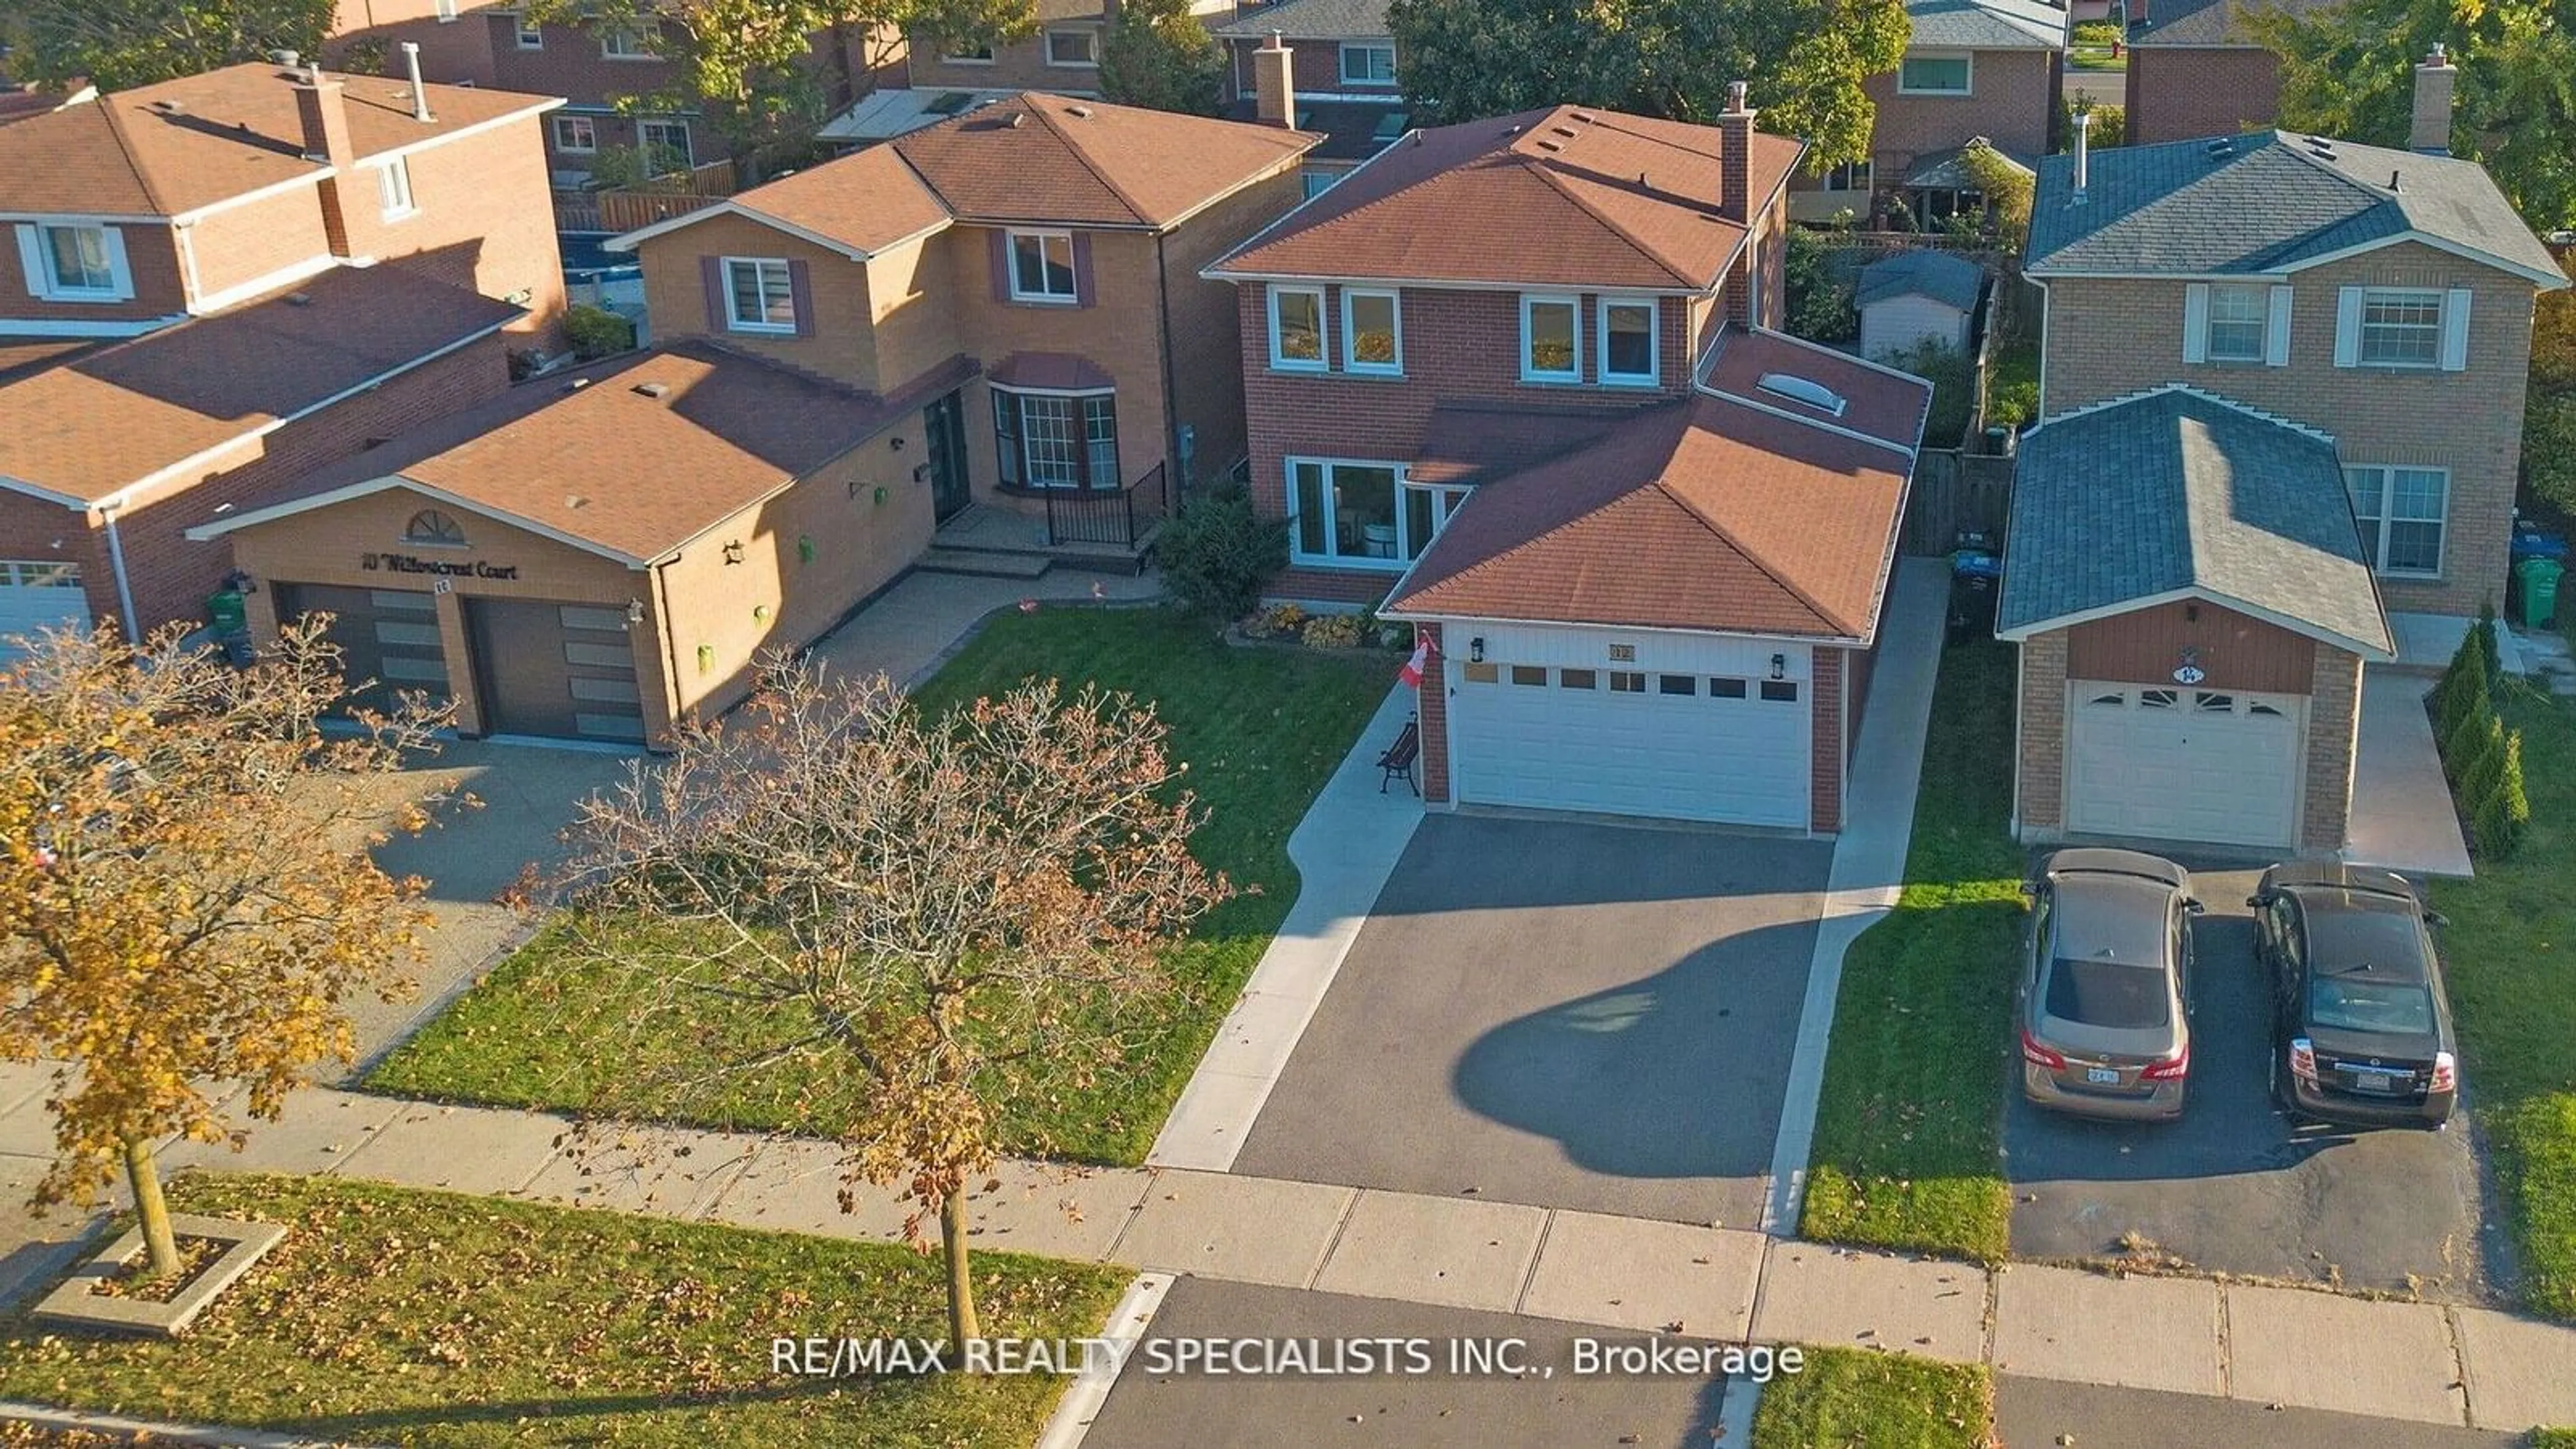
[1274, 90]
[1735, 155]
[324, 114]
[2435, 77]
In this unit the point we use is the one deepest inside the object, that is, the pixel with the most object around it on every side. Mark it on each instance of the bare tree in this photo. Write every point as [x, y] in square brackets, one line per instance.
[185, 895]
[909, 919]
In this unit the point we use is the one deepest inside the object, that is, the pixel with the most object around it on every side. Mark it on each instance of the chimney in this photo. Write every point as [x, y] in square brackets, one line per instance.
[324, 114]
[419, 95]
[1735, 155]
[1274, 89]
[2435, 77]
[2083, 152]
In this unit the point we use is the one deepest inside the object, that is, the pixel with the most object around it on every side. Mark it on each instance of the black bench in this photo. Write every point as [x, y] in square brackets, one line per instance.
[1397, 760]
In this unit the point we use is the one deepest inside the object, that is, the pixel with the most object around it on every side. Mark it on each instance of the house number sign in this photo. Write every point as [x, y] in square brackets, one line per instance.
[2189, 671]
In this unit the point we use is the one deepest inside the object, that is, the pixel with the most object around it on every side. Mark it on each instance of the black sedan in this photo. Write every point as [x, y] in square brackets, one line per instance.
[2361, 1031]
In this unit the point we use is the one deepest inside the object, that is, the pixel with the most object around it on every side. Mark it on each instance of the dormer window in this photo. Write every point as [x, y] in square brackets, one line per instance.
[435, 529]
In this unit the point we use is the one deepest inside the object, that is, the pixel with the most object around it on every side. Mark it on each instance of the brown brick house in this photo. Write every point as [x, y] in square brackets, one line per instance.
[2194, 69]
[2280, 425]
[1337, 77]
[1641, 529]
[221, 281]
[1974, 69]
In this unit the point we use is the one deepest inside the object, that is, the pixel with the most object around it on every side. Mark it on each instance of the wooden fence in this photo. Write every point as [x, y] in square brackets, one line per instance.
[625, 208]
[1956, 492]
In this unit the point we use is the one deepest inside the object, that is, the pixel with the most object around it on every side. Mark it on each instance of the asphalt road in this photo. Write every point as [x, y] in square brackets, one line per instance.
[2038, 1413]
[1563, 1014]
[2233, 1187]
[1382, 1411]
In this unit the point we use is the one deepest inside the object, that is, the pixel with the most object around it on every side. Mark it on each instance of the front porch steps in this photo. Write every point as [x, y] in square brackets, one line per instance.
[993, 543]
[985, 563]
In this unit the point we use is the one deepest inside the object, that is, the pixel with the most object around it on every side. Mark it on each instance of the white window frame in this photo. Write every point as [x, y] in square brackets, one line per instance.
[2363, 324]
[529, 37]
[1350, 333]
[36, 253]
[1968, 73]
[1573, 374]
[1367, 47]
[588, 124]
[625, 42]
[1653, 376]
[687, 149]
[1315, 183]
[393, 189]
[1020, 472]
[445, 10]
[1322, 360]
[2221, 293]
[1011, 240]
[734, 320]
[2375, 532]
[1446, 499]
[1091, 43]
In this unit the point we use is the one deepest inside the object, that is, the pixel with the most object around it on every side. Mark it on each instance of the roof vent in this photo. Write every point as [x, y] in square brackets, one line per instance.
[1078, 112]
[168, 107]
[287, 58]
[1805, 390]
[576, 500]
[2392, 179]
[1546, 145]
[299, 299]
[1586, 117]
[2321, 148]
[2223, 146]
[1567, 131]
[1014, 119]
[577, 384]
[651, 389]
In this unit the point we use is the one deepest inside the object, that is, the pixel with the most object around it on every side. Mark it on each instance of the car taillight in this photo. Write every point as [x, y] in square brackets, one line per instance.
[2446, 1073]
[2168, 1069]
[2303, 1060]
[2038, 1055]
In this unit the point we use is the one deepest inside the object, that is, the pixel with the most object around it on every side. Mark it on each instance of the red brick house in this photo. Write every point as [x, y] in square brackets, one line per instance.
[1337, 77]
[220, 281]
[1640, 529]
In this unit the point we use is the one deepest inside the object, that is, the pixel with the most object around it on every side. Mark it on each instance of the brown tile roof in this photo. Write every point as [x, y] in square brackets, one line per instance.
[167, 149]
[1038, 157]
[866, 201]
[1700, 513]
[95, 423]
[1470, 441]
[1878, 401]
[20, 356]
[596, 459]
[1596, 199]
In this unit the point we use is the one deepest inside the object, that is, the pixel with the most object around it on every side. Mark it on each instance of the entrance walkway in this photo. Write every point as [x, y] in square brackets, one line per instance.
[2401, 807]
[912, 627]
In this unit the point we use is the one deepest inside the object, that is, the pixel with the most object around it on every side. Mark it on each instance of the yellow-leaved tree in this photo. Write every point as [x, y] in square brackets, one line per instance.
[185, 893]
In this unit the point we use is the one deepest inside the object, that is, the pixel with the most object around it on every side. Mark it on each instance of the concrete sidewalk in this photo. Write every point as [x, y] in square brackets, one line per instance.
[2402, 817]
[2415, 1361]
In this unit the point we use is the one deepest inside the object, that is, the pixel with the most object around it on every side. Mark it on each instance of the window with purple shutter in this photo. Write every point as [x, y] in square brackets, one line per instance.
[711, 280]
[800, 291]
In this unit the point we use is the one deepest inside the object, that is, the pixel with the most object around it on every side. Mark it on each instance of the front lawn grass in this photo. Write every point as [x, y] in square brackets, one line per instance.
[397, 1316]
[1856, 1397]
[1907, 1146]
[1260, 729]
[2511, 950]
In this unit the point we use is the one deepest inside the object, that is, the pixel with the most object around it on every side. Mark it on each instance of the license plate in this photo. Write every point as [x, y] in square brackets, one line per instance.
[2374, 1081]
[2105, 1076]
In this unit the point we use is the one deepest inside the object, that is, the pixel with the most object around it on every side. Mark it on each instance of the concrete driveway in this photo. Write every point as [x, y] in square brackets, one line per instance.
[2232, 1187]
[1559, 1013]
[2039, 1412]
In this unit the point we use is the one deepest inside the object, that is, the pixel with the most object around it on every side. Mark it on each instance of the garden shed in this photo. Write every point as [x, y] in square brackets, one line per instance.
[1916, 297]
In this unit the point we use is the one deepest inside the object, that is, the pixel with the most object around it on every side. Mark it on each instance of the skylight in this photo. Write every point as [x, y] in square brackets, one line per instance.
[1805, 390]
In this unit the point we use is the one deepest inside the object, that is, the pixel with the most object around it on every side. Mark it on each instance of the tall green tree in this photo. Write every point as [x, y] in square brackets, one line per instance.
[118, 44]
[2349, 70]
[1160, 55]
[1806, 59]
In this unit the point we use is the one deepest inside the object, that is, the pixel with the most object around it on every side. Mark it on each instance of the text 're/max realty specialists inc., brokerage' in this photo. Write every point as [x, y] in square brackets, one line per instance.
[1255, 1357]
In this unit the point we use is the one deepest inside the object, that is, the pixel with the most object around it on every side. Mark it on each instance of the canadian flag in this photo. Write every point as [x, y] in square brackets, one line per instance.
[1414, 668]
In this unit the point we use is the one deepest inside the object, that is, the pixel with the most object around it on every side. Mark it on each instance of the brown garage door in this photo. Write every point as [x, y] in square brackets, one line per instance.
[556, 669]
[388, 639]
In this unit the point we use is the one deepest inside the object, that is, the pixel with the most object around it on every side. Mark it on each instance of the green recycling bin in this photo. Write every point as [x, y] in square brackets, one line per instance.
[2539, 578]
[227, 612]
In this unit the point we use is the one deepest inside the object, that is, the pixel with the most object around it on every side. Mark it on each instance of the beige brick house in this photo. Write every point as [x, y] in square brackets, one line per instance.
[2280, 428]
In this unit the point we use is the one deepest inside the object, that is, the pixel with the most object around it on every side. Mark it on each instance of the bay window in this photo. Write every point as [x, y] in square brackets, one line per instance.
[1056, 439]
[1366, 515]
[2401, 513]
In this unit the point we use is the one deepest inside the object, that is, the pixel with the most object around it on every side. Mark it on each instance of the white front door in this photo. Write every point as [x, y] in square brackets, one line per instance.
[39, 594]
[2184, 764]
[1679, 726]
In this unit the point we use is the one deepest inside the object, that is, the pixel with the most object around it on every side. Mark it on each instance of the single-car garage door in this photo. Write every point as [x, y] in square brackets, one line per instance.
[2183, 764]
[560, 669]
[388, 638]
[1684, 729]
[39, 594]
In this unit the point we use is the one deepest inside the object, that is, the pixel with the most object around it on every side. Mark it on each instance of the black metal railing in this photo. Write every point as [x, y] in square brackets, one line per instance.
[1105, 516]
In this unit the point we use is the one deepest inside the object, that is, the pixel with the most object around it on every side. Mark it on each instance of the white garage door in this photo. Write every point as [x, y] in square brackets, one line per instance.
[1670, 726]
[2183, 764]
[39, 595]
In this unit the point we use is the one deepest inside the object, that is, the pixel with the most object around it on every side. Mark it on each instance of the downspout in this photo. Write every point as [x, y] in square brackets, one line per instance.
[2042, 409]
[124, 585]
[670, 643]
[1177, 486]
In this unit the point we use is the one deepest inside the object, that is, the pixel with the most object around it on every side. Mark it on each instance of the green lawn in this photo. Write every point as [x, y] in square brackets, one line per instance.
[2096, 57]
[430, 1318]
[2511, 946]
[1906, 1149]
[1865, 1400]
[1261, 730]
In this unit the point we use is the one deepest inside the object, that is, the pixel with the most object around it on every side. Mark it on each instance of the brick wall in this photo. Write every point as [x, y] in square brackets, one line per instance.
[2106, 338]
[484, 221]
[1431, 706]
[1016, 65]
[2011, 101]
[2178, 94]
[571, 66]
[1861, 664]
[2040, 740]
[1207, 345]
[240, 245]
[844, 342]
[1825, 752]
[1314, 67]
[151, 257]
[2334, 738]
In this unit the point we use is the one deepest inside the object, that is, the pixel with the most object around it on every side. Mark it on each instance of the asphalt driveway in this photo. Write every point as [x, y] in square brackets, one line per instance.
[1559, 1013]
[2232, 1187]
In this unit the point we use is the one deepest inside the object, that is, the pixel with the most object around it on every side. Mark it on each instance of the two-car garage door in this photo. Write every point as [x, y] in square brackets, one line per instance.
[1680, 728]
[2183, 764]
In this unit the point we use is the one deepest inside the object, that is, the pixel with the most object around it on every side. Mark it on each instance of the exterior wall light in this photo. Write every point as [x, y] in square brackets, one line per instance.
[1476, 650]
[1779, 666]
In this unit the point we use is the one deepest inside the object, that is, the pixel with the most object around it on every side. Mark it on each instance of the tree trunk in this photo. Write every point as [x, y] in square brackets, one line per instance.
[150, 1210]
[961, 1284]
